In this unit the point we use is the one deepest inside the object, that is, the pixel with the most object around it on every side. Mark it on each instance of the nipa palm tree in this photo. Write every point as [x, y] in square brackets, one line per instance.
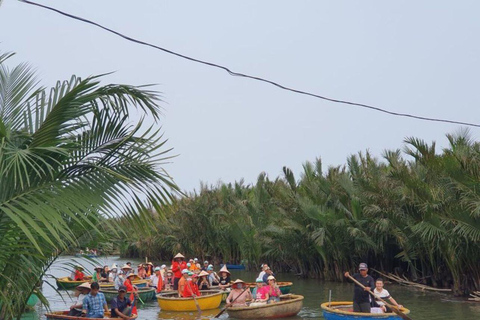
[70, 158]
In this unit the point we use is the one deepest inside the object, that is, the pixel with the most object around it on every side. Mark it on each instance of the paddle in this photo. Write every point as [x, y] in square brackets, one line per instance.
[223, 310]
[394, 308]
[195, 300]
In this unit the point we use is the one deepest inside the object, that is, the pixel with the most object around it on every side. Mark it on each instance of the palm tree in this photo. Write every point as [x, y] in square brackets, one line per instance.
[70, 159]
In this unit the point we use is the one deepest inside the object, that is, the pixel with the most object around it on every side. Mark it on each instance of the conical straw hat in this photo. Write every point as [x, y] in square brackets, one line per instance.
[224, 269]
[179, 255]
[85, 285]
[203, 274]
[239, 281]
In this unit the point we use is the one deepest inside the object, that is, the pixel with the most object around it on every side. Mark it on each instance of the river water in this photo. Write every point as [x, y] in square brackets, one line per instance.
[423, 305]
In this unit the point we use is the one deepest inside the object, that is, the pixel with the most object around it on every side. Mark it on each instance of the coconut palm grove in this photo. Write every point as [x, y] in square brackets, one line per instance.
[74, 163]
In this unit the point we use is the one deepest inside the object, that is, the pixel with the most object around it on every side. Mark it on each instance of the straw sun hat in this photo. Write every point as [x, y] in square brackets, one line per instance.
[224, 269]
[85, 285]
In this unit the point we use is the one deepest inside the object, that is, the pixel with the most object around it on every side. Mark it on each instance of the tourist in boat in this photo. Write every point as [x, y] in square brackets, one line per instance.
[258, 287]
[361, 297]
[192, 266]
[112, 277]
[239, 294]
[168, 280]
[182, 281]
[224, 281]
[97, 275]
[382, 293]
[272, 290]
[213, 277]
[197, 264]
[94, 304]
[203, 282]
[141, 271]
[205, 266]
[79, 275]
[163, 271]
[132, 289]
[82, 291]
[122, 276]
[156, 280]
[263, 267]
[126, 269]
[105, 274]
[149, 270]
[121, 306]
[190, 288]
[268, 273]
[178, 264]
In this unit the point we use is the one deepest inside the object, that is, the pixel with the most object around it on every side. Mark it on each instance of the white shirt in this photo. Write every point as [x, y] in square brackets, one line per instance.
[261, 274]
[154, 280]
[384, 295]
[80, 298]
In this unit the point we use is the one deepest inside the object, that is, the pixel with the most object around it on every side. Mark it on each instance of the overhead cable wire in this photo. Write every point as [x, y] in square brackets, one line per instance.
[237, 74]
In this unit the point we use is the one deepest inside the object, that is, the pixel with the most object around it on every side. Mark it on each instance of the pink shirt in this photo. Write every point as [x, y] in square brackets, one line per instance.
[262, 293]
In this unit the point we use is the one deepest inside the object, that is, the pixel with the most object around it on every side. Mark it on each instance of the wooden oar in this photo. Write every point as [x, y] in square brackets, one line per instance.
[195, 300]
[394, 308]
[223, 310]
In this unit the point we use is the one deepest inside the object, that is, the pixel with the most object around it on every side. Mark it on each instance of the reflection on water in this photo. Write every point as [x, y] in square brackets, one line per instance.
[423, 305]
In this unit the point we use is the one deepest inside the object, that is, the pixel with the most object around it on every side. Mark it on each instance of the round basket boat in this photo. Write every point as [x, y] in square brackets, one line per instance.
[145, 294]
[284, 286]
[209, 299]
[63, 315]
[343, 310]
[288, 306]
[67, 283]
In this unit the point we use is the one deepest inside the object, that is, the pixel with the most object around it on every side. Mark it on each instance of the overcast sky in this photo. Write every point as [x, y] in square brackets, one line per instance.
[419, 57]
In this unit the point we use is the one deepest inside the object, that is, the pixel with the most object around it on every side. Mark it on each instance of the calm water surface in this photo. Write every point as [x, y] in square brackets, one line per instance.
[423, 305]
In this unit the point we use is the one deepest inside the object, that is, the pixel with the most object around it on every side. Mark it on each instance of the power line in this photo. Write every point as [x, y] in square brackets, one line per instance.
[237, 74]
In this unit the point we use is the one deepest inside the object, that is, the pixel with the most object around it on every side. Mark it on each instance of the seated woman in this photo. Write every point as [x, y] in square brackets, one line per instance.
[382, 293]
[168, 280]
[213, 277]
[78, 276]
[105, 274]
[141, 271]
[239, 294]
[259, 286]
[224, 281]
[97, 275]
[203, 283]
[273, 291]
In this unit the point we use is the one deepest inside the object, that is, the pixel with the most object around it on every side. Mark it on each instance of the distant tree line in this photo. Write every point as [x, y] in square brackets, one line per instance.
[416, 212]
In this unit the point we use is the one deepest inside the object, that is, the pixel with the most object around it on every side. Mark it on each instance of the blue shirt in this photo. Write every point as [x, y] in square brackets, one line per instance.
[120, 305]
[94, 304]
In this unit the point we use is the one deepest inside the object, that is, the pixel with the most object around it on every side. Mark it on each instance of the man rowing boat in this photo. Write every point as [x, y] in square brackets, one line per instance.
[361, 297]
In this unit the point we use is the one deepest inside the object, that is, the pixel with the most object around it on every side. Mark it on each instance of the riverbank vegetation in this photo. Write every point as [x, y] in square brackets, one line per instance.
[70, 158]
[415, 213]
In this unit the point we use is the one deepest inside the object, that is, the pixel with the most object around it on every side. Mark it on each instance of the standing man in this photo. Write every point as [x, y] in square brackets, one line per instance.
[178, 264]
[361, 297]
[94, 304]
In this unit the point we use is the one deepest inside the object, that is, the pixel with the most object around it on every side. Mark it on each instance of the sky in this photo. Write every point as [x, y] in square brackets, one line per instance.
[418, 57]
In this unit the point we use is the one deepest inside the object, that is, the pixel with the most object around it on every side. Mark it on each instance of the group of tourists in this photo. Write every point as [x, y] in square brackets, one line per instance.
[91, 303]
[188, 278]
[363, 299]
[265, 291]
